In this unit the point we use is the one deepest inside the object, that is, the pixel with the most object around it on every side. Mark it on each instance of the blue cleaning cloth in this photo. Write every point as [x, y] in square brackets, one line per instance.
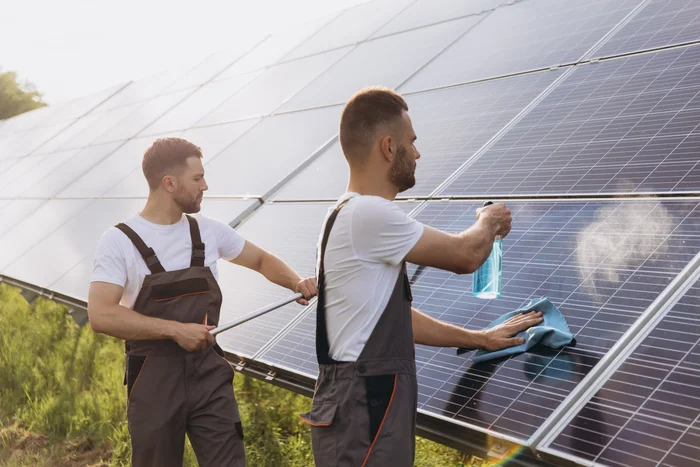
[552, 331]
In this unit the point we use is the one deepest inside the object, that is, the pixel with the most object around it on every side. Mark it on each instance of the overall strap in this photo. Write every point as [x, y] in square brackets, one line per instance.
[197, 245]
[322, 345]
[147, 253]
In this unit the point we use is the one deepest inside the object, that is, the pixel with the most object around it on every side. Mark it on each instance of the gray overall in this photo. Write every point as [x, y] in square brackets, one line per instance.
[171, 391]
[364, 412]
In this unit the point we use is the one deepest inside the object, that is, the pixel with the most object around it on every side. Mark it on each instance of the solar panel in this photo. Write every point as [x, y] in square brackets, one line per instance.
[378, 62]
[354, 25]
[624, 125]
[198, 104]
[141, 117]
[213, 65]
[275, 47]
[67, 244]
[648, 412]
[102, 121]
[290, 231]
[277, 84]
[524, 36]
[34, 227]
[601, 263]
[270, 152]
[12, 212]
[213, 139]
[451, 125]
[422, 13]
[145, 88]
[659, 24]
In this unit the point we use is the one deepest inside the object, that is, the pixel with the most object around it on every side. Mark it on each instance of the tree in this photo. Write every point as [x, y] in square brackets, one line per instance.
[16, 97]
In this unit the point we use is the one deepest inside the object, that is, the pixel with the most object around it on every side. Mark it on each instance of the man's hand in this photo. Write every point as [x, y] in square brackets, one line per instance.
[501, 336]
[498, 215]
[307, 287]
[193, 336]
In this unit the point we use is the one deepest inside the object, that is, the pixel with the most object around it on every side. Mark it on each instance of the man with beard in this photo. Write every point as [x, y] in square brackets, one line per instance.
[161, 265]
[364, 407]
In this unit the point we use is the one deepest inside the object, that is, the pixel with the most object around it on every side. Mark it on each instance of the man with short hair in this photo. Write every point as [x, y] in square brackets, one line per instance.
[161, 265]
[364, 407]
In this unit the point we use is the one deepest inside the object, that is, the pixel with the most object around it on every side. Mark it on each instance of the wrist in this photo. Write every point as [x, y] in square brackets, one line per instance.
[170, 329]
[478, 339]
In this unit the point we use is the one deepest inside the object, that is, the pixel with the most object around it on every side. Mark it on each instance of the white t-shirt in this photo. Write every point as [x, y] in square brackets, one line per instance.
[117, 260]
[366, 249]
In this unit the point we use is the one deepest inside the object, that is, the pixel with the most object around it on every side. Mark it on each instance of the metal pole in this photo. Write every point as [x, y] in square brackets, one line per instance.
[255, 314]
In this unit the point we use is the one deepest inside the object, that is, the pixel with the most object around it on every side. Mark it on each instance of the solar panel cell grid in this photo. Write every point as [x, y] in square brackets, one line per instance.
[619, 126]
[523, 36]
[660, 23]
[648, 412]
[601, 263]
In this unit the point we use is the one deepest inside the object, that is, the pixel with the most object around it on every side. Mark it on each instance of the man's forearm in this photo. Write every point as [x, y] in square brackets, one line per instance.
[123, 323]
[277, 271]
[429, 331]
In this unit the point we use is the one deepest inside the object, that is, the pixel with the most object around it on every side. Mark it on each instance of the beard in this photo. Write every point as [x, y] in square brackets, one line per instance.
[402, 173]
[187, 203]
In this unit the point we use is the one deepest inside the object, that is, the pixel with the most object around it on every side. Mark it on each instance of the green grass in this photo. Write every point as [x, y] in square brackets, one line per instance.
[62, 402]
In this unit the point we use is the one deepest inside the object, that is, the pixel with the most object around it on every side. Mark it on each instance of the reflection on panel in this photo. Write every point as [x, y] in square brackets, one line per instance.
[109, 171]
[524, 36]
[425, 12]
[211, 67]
[623, 125]
[140, 118]
[66, 246]
[34, 227]
[213, 139]
[296, 349]
[660, 23]
[352, 26]
[145, 88]
[601, 263]
[228, 210]
[270, 151]
[648, 412]
[324, 178]
[13, 212]
[43, 166]
[276, 46]
[200, 103]
[379, 62]
[134, 184]
[277, 84]
[103, 121]
[76, 281]
[48, 183]
[289, 231]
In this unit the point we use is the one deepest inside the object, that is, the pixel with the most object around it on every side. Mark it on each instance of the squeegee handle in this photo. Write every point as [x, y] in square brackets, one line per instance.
[255, 314]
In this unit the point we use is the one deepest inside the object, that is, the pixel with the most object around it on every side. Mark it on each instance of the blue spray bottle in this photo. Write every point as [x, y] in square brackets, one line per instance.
[487, 279]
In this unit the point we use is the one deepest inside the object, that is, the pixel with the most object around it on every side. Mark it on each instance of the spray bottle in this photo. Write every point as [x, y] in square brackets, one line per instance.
[487, 279]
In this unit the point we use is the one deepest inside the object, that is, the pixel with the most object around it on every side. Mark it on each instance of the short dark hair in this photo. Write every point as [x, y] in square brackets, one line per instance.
[164, 155]
[363, 113]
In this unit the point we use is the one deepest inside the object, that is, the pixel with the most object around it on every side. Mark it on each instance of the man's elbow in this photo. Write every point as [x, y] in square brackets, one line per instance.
[466, 265]
[96, 323]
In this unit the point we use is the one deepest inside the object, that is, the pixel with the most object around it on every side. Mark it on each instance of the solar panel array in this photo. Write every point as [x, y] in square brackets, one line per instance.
[583, 113]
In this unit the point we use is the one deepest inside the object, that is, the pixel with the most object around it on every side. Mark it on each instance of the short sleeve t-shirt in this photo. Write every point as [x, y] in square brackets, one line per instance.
[117, 260]
[366, 249]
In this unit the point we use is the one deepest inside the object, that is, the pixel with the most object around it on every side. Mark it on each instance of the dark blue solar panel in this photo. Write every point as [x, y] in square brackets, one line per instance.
[602, 263]
[624, 125]
[648, 412]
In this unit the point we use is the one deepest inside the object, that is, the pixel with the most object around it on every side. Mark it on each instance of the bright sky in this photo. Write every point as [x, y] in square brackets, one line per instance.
[72, 48]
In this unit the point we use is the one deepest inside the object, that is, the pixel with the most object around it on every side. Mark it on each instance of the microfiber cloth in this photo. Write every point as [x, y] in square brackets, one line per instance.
[552, 331]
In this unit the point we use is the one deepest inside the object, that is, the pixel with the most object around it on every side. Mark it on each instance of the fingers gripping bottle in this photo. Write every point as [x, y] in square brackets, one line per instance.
[487, 279]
